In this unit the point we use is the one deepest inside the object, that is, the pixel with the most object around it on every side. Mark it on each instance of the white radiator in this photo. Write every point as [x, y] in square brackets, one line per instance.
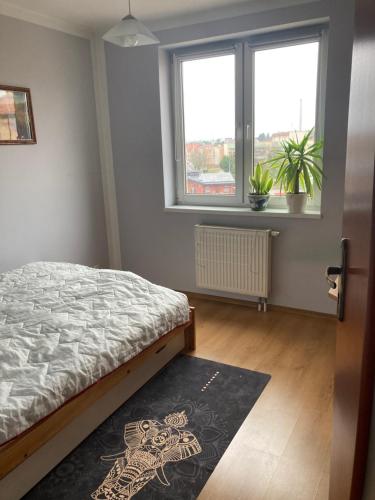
[233, 260]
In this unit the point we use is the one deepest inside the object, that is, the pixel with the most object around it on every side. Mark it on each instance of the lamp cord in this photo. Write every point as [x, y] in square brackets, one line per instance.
[130, 11]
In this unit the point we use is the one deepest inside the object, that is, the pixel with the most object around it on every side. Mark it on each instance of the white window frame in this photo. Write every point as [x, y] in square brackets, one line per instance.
[244, 51]
[178, 59]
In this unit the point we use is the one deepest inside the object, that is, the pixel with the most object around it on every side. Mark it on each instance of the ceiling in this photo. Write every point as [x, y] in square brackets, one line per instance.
[98, 15]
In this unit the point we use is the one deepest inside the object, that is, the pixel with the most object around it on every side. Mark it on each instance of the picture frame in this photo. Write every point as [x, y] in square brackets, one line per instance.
[16, 116]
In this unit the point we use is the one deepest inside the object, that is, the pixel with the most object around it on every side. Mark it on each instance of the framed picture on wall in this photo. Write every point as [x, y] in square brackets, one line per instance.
[16, 116]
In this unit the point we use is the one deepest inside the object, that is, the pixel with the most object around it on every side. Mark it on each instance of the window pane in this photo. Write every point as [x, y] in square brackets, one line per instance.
[285, 97]
[209, 124]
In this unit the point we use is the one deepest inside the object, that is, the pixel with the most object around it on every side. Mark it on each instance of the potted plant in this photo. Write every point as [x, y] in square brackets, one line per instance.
[261, 183]
[298, 165]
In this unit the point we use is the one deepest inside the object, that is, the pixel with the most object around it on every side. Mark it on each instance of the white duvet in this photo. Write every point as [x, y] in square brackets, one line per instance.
[64, 326]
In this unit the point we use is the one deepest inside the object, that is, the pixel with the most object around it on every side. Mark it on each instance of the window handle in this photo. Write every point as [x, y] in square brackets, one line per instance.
[248, 131]
[176, 155]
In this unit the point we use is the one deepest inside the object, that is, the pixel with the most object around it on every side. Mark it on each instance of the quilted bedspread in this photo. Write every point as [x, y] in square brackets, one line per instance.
[64, 326]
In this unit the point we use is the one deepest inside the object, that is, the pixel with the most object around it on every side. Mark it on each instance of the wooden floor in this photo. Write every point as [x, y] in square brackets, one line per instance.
[282, 449]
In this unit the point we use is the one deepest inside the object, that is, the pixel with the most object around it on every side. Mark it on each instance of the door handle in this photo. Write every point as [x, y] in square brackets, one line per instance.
[333, 271]
[339, 271]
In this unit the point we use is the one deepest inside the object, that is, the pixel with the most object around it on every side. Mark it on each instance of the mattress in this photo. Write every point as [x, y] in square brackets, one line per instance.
[65, 326]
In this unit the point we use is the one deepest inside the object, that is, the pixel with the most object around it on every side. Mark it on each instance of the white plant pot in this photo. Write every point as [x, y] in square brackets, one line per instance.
[296, 203]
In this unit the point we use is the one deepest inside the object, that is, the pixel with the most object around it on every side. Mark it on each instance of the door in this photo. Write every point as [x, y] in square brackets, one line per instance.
[355, 352]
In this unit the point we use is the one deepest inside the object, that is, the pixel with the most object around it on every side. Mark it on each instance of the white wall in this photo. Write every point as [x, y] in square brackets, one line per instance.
[51, 203]
[159, 245]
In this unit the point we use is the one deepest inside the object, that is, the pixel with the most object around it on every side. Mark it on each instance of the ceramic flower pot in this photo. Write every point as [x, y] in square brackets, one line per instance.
[296, 203]
[258, 202]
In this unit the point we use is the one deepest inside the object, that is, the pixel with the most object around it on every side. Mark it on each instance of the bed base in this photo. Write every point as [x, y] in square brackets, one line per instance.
[25, 460]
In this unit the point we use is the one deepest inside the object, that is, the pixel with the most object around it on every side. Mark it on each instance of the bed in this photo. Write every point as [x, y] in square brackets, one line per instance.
[75, 344]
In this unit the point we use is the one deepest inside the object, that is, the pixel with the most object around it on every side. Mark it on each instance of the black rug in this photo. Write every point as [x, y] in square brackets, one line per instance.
[165, 441]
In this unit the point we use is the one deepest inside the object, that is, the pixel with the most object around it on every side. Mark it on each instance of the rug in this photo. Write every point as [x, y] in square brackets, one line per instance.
[165, 441]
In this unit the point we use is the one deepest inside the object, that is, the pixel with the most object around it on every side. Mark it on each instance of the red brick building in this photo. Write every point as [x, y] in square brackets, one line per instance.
[211, 183]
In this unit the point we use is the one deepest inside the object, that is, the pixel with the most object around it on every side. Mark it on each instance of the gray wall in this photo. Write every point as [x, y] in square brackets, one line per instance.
[159, 245]
[51, 203]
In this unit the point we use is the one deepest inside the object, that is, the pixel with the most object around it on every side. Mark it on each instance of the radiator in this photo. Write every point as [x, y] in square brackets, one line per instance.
[234, 260]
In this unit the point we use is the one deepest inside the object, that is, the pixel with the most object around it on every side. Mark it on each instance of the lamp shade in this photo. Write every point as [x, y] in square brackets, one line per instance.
[130, 33]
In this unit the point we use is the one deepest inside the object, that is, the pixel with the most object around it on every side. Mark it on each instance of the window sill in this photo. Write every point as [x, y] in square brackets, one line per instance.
[269, 212]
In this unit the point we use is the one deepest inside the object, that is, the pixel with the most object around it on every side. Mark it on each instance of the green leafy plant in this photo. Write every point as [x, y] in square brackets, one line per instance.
[261, 181]
[298, 165]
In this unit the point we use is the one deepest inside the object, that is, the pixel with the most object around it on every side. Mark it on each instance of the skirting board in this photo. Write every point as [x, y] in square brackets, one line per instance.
[18, 482]
[253, 304]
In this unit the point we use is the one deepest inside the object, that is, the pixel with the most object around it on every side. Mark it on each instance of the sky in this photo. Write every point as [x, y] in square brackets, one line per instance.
[283, 77]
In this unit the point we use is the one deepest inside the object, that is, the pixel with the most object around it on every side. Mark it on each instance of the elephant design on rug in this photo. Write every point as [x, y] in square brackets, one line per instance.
[150, 445]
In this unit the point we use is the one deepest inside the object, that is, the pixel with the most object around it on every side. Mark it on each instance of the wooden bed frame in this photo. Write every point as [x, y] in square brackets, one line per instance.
[26, 459]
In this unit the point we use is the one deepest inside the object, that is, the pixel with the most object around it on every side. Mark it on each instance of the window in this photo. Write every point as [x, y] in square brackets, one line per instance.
[209, 121]
[208, 149]
[235, 103]
[283, 107]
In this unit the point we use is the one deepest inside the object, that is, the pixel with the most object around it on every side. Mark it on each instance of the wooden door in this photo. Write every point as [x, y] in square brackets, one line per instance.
[355, 355]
